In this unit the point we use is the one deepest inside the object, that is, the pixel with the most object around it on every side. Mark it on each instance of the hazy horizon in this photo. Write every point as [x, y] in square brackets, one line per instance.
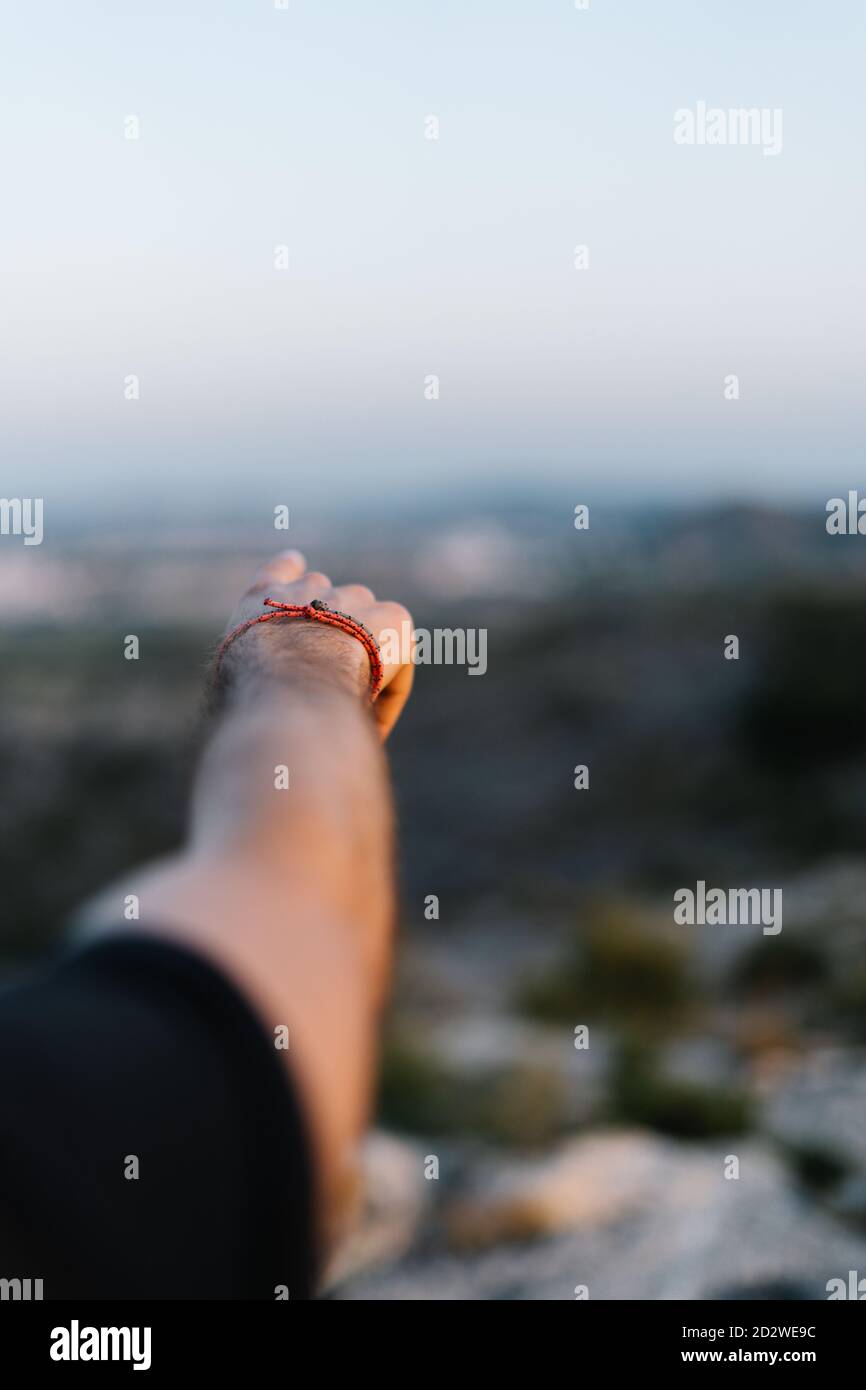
[184, 511]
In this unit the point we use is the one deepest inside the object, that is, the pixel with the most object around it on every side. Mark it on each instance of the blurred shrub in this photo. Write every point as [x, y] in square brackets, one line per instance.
[517, 1105]
[848, 1004]
[641, 1094]
[414, 1087]
[783, 962]
[816, 1166]
[617, 968]
[522, 1106]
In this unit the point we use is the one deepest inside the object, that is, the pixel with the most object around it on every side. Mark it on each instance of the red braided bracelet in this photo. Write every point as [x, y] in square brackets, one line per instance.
[317, 612]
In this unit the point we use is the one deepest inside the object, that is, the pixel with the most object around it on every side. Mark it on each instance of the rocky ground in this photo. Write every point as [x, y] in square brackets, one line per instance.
[612, 1215]
[548, 1193]
[625, 1213]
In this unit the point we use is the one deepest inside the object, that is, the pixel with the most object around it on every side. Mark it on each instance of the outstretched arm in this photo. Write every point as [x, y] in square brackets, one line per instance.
[289, 888]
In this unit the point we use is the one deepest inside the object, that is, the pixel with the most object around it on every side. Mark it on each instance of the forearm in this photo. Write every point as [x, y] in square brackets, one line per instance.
[293, 784]
[290, 890]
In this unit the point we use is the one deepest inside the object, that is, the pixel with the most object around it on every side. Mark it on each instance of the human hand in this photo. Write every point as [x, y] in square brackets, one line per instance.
[291, 649]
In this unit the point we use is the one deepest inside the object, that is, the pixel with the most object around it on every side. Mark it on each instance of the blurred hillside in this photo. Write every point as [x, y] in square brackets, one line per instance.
[605, 647]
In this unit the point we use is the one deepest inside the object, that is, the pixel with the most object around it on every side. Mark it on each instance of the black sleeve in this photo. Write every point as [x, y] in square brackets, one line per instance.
[136, 1050]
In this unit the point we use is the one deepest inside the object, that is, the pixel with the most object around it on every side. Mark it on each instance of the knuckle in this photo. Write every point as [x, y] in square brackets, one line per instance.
[397, 614]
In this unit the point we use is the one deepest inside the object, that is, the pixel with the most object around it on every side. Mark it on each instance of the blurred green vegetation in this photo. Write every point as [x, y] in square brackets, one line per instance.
[641, 1094]
[818, 1167]
[847, 1004]
[780, 963]
[522, 1105]
[617, 967]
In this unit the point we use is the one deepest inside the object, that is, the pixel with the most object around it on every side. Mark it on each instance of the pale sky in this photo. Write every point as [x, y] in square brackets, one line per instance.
[305, 127]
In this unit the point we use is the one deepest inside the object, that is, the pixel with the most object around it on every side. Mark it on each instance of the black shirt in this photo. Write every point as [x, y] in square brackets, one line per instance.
[137, 1057]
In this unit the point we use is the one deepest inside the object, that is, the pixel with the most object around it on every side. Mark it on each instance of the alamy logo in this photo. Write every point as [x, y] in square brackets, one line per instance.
[439, 646]
[76, 1343]
[731, 907]
[846, 518]
[21, 1290]
[744, 125]
[22, 516]
[855, 1287]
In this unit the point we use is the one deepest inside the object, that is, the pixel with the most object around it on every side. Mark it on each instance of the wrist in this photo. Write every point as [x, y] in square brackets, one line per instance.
[295, 654]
